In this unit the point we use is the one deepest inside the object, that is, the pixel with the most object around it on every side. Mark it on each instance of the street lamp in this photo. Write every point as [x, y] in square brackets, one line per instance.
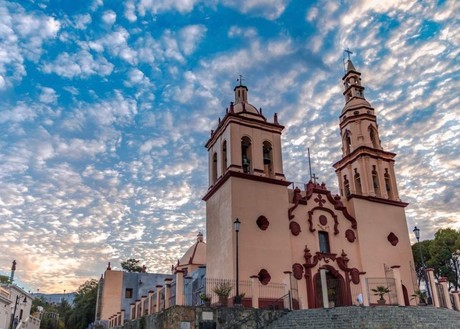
[417, 236]
[236, 224]
[13, 315]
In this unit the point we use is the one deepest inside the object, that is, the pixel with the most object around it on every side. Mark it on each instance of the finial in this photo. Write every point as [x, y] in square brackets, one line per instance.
[200, 237]
[240, 79]
[231, 107]
[226, 110]
[108, 266]
[275, 119]
[349, 52]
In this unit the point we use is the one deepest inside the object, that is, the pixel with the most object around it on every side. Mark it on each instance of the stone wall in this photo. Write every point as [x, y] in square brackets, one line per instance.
[188, 317]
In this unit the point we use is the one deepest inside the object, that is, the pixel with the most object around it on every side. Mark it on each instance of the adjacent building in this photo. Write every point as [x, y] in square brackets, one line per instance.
[119, 292]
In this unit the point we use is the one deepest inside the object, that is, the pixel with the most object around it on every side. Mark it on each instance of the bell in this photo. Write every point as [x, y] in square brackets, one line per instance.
[245, 162]
[267, 159]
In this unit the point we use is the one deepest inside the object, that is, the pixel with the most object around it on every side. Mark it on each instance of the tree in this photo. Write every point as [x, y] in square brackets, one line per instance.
[132, 265]
[84, 308]
[442, 254]
[445, 255]
[425, 246]
[4, 279]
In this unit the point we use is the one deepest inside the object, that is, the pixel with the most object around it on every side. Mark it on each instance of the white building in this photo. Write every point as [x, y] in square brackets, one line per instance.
[5, 314]
[20, 304]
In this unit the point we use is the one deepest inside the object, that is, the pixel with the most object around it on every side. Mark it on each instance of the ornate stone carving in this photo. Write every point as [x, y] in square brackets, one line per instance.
[295, 228]
[297, 270]
[323, 220]
[350, 235]
[393, 239]
[264, 276]
[262, 222]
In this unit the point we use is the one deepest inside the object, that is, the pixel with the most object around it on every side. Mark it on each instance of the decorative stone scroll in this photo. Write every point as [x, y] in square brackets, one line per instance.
[262, 222]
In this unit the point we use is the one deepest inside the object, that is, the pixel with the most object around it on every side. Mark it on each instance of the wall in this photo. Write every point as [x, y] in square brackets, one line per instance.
[191, 318]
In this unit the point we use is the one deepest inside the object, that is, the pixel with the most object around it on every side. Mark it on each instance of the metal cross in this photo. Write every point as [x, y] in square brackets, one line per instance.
[314, 177]
[349, 52]
[240, 79]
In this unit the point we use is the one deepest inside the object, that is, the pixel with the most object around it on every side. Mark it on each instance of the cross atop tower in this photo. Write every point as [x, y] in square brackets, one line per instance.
[349, 52]
[240, 79]
[314, 177]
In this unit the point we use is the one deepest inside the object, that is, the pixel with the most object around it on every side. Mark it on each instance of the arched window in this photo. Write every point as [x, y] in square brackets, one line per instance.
[268, 158]
[358, 182]
[246, 154]
[324, 242]
[375, 181]
[214, 168]
[374, 137]
[224, 157]
[388, 184]
[347, 142]
[346, 185]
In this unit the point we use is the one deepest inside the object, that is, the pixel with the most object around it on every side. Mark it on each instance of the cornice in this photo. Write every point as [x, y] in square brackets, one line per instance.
[243, 121]
[378, 200]
[238, 174]
[363, 151]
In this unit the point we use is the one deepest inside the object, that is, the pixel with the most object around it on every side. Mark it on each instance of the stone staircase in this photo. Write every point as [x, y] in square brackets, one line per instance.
[383, 317]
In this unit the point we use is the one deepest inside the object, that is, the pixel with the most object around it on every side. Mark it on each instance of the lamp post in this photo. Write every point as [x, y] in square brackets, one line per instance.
[417, 236]
[13, 315]
[236, 224]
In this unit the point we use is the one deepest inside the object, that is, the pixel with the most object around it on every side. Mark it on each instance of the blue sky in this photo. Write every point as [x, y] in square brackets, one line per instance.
[105, 107]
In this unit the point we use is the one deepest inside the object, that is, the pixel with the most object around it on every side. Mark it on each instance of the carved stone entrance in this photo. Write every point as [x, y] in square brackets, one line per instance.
[334, 288]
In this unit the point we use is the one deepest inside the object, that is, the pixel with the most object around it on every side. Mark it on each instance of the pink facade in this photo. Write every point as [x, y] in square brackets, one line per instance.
[336, 247]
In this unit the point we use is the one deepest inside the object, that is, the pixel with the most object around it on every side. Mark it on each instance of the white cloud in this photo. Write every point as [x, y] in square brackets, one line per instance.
[82, 21]
[81, 64]
[190, 36]
[157, 6]
[48, 95]
[23, 36]
[109, 17]
[270, 9]
[130, 9]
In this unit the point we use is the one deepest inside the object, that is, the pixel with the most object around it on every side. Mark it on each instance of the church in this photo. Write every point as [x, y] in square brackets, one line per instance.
[329, 249]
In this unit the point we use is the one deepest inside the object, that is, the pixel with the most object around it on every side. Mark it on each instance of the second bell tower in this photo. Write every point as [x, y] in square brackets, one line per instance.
[365, 168]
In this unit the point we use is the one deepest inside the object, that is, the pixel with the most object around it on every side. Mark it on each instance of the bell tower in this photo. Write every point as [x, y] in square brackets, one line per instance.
[365, 169]
[368, 186]
[246, 181]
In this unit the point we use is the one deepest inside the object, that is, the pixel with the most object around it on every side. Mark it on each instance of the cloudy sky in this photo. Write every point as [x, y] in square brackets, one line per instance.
[105, 107]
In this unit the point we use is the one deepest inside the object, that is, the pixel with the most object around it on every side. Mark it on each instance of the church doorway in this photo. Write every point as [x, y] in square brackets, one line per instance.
[334, 288]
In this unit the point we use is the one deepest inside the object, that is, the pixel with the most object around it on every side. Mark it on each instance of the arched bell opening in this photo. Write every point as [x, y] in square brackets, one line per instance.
[267, 154]
[246, 155]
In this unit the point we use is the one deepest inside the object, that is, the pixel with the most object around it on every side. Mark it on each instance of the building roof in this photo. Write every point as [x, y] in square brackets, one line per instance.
[196, 254]
[355, 102]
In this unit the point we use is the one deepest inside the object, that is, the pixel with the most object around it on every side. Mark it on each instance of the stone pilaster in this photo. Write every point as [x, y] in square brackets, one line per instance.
[433, 290]
[255, 291]
[398, 283]
[158, 298]
[179, 287]
[445, 289]
[167, 292]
